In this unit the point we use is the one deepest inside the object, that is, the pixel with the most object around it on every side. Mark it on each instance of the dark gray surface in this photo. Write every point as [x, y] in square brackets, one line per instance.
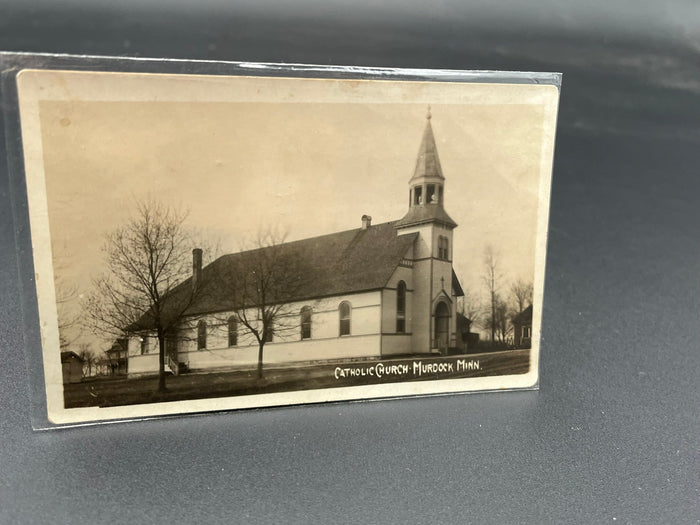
[613, 436]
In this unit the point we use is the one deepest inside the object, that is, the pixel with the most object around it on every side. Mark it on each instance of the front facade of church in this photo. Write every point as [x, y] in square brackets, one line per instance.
[396, 295]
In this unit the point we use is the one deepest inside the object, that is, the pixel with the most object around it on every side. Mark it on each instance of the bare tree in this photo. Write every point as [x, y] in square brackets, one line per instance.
[66, 301]
[491, 279]
[502, 320]
[89, 359]
[470, 306]
[521, 293]
[498, 320]
[143, 289]
[262, 282]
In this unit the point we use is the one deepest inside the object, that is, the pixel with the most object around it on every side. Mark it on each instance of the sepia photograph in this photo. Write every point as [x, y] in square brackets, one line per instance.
[222, 242]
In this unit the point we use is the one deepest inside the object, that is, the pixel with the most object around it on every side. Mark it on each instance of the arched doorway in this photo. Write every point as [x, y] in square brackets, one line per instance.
[442, 327]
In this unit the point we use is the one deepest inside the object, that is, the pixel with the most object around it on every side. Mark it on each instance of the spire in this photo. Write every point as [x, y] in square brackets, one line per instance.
[426, 197]
[428, 163]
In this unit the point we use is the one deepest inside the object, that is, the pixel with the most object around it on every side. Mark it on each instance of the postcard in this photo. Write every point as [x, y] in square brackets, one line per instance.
[215, 242]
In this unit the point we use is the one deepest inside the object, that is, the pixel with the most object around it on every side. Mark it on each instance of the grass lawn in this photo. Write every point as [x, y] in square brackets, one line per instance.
[122, 391]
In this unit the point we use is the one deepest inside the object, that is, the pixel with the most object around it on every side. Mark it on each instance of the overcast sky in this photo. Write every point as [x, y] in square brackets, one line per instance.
[307, 167]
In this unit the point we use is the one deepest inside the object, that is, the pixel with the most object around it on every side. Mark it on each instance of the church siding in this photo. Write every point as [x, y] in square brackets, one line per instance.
[143, 364]
[420, 322]
[325, 342]
[396, 344]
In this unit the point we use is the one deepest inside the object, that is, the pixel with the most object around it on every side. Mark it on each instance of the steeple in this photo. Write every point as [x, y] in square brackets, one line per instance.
[426, 186]
[428, 163]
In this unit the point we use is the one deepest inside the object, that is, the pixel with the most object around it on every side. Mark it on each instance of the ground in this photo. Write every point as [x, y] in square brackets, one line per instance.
[123, 391]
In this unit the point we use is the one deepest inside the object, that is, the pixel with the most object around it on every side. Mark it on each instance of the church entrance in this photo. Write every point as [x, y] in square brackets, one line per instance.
[442, 327]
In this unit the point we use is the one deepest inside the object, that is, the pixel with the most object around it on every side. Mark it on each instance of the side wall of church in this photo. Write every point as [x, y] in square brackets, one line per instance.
[287, 344]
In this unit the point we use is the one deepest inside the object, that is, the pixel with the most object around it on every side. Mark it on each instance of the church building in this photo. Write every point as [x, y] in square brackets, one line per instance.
[376, 291]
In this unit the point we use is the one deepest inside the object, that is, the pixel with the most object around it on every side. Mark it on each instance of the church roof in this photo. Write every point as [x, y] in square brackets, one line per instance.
[428, 163]
[426, 213]
[336, 264]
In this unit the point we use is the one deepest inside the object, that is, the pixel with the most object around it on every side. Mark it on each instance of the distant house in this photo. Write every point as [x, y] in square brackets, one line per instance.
[72, 365]
[116, 362]
[522, 328]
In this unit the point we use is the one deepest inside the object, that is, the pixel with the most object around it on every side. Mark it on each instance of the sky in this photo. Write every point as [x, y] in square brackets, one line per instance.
[296, 159]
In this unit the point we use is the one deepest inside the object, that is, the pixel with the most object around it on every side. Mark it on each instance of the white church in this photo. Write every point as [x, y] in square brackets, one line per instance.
[376, 291]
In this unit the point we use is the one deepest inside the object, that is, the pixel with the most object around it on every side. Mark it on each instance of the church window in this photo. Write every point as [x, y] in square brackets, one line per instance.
[344, 311]
[269, 333]
[443, 248]
[201, 335]
[439, 197]
[232, 331]
[418, 195]
[306, 322]
[401, 308]
[144, 345]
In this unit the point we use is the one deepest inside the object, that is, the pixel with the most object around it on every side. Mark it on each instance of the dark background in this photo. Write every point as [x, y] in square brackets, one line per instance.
[613, 435]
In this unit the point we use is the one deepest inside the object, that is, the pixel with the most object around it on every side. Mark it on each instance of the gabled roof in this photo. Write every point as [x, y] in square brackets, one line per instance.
[456, 286]
[524, 317]
[339, 263]
[428, 162]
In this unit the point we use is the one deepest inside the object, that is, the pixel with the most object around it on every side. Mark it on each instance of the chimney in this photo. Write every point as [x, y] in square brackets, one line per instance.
[196, 267]
[366, 222]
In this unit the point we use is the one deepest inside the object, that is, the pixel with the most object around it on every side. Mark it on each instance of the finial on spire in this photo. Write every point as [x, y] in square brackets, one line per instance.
[429, 115]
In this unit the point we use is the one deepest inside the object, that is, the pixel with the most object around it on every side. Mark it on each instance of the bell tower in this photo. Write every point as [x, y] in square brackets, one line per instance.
[434, 307]
[426, 202]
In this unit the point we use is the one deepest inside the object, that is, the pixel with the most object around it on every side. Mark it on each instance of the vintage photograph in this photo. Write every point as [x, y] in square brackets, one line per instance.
[218, 242]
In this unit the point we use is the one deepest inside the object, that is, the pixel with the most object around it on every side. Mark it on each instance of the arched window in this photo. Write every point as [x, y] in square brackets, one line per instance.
[201, 335]
[306, 322]
[443, 248]
[344, 311]
[401, 308]
[232, 331]
[144, 345]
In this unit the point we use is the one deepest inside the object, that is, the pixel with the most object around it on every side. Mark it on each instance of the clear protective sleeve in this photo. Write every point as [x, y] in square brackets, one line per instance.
[33, 208]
